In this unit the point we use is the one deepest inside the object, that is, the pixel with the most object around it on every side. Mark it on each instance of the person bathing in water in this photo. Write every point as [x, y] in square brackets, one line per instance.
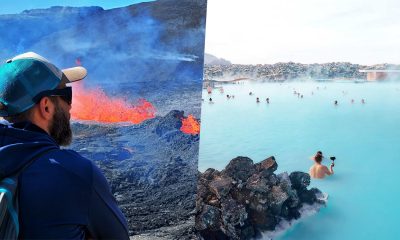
[319, 170]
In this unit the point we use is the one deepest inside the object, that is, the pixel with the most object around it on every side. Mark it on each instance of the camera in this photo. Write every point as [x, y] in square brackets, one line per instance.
[333, 158]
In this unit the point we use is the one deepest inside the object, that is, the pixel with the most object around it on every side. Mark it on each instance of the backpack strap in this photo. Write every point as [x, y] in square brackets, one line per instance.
[34, 159]
[9, 190]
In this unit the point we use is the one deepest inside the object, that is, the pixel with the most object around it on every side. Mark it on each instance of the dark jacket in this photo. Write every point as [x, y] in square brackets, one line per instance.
[62, 195]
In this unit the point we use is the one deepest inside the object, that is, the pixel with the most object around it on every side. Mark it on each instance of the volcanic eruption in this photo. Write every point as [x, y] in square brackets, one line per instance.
[95, 105]
[190, 125]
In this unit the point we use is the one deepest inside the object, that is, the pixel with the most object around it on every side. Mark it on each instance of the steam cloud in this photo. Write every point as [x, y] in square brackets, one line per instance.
[138, 51]
[305, 211]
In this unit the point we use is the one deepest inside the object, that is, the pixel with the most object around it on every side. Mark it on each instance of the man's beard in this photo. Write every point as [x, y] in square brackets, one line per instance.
[60, 128]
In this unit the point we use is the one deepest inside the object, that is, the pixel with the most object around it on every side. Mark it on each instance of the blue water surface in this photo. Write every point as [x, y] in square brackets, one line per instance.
[363, 192]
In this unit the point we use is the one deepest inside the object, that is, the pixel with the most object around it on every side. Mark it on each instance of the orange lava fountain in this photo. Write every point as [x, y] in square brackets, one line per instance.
[95, 105]
[190, 125]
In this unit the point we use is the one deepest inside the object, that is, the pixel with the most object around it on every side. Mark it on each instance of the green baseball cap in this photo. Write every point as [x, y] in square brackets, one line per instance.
[26, 76]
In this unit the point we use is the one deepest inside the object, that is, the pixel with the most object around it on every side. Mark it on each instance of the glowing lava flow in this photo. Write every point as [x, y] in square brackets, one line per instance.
[190, 125]
[95, 105]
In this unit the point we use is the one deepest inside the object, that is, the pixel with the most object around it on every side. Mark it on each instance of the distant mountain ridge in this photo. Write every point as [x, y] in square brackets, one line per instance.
[210, 59]
[61, 10]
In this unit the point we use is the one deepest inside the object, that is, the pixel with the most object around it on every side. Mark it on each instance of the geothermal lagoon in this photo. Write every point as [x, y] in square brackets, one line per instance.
[363, 137]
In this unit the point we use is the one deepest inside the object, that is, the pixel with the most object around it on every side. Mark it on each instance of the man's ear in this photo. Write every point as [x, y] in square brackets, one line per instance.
[46, 108]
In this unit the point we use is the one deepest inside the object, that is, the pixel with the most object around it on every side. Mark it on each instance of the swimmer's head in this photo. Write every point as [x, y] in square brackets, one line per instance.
[318, 157]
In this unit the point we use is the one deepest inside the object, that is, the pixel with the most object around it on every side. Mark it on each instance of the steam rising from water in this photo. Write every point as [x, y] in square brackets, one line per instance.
[305, 211]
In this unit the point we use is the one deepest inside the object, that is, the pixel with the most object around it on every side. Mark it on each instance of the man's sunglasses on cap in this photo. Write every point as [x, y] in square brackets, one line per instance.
[64, 93]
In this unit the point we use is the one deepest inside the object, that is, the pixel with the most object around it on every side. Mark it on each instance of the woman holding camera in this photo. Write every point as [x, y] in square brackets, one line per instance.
[319, 170]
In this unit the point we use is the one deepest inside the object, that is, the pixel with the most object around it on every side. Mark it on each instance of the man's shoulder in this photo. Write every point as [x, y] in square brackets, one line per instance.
[72, 161]
[71, 155]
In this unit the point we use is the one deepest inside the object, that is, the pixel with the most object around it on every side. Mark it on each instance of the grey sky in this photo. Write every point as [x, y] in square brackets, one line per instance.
[306, 31]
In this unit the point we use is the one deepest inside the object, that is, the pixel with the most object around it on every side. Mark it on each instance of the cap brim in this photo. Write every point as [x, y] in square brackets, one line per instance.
[74, 74]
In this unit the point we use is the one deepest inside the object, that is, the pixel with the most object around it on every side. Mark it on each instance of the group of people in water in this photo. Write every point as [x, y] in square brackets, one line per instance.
[352, 101]
[317, 170]
[295, 92]
[267, 99]
[299, 95]
[258, 100]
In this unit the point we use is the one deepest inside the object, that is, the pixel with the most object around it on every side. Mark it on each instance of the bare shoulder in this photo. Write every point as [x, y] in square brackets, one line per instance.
[325, 168]
[327, 171]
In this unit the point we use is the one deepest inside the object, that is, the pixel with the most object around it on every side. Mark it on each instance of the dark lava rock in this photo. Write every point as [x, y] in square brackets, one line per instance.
[164, 125]
[209, 218]
[151, 168]
[255, 183]
[245, 199]
[300, 180]
[210, 174]
[183, 231]
[267, 166]
[221, 187]
[240, 168]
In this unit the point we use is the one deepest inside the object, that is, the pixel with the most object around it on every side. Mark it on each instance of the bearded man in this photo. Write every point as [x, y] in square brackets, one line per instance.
[61, 195]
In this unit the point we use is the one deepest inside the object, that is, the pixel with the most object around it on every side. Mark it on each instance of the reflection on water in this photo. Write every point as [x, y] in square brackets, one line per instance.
[363, 137]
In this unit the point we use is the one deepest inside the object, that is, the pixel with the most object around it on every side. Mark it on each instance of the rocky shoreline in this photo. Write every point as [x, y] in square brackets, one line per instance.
[246, 199]
[290, 70]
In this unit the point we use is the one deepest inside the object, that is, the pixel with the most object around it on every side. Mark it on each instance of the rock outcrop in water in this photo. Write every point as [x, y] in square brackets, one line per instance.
[246, 199]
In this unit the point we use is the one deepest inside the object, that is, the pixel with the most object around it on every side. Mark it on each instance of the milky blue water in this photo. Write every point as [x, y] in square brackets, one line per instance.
[363, 193]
